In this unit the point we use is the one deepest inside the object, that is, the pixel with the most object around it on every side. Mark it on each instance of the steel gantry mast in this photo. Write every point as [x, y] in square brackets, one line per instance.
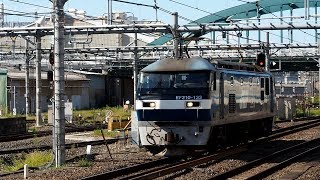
[59, 89]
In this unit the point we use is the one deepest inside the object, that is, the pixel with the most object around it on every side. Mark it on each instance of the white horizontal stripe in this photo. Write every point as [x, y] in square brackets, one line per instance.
[174, 104]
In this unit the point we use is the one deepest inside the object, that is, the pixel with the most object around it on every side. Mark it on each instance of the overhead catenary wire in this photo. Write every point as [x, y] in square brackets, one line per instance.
[210, 14]
[225, 17]
[31, 4]
[190, 6]
[281, 19]
[23, 14]
[27, 13]
[146, 5]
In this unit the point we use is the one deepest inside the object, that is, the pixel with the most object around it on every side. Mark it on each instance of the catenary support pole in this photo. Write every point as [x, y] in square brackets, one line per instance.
[59, 88]
[267, 52]
[319, 80]
[135, 70]
[27, 95]
[38, 81]
[109, 12]
[291, 22]
[175, 35]
[281, 22]
[316, 21]
[259, 20]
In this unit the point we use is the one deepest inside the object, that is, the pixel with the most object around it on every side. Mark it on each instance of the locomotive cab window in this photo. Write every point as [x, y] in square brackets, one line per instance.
[267, 90]
[214, 81]
[262, 95]
[262, 83]
[162, 83]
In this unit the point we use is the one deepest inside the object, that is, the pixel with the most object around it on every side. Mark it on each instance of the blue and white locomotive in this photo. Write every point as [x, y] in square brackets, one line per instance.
[190, 103]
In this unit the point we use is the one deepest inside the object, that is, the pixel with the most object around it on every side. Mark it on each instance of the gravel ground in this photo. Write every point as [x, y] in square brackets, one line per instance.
[214, 168]
[306, 168]
[122, 156]
[127, 155]
[279, 125]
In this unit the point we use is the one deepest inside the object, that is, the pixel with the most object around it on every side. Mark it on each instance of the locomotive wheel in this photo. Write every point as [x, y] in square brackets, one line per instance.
[154, 150]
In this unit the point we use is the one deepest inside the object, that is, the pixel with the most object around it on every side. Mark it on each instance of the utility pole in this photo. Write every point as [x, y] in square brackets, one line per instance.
[267, 52]
[175, 35]
[306, 9]
[27, 94]
[319, 80]
[135, 70]
[59, 118]
[38, 80]
[2, 14]
[109, 12]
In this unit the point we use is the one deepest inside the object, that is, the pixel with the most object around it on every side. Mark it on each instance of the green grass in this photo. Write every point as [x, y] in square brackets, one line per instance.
[314, 112]
[300, 112]
[96, 115]
[84, 162]
[34, 159]
[106, 133]
[99, 115]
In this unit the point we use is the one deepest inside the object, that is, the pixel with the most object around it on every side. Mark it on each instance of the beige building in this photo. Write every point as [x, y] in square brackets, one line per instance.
[83, 88]
[75, 17]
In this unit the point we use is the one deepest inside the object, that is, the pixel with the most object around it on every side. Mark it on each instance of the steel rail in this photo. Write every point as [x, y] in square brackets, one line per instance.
[129, 170]
[68, 146]
[162, 171]
[287, 131]
[283, 164]
[43, 133]
[260, 161]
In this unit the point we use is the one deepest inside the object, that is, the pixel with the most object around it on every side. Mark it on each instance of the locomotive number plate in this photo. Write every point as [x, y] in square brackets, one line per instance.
[188, 97]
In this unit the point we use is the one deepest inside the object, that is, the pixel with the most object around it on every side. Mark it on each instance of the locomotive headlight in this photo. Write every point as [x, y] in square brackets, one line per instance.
[149, 104]
[152, 104]
[189, 104]
[192, 104]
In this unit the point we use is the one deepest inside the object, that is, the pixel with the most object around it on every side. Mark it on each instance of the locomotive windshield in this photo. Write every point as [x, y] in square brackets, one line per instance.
[174, 82]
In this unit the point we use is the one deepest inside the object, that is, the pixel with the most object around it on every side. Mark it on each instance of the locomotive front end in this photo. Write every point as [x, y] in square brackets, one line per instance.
[173, 109]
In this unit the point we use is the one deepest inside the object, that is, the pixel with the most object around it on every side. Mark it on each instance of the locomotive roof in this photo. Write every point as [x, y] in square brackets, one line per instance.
[175, 64]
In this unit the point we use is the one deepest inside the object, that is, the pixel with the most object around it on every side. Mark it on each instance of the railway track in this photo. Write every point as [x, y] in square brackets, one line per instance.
[69, 129]
[140, 171]
[161, 171]
[305, 149]
[68, 146]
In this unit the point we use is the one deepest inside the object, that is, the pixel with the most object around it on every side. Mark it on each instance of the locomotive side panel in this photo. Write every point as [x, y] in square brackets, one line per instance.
[245, 98]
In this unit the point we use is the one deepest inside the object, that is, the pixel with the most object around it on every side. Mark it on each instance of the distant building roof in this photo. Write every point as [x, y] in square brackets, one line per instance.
[69, 76]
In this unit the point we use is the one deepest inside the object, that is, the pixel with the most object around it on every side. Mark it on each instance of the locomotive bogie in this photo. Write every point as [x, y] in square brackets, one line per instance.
[169, 135]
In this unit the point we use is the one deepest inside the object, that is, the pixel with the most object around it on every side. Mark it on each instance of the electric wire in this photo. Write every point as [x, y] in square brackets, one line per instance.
[38, 13]
[138, 4]
[169, 12]
[30, 4]
[277, 17]
[210, 14]
[21, 15]
[191, 6]
[251, 26]
[155, 7]
[230, 33]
